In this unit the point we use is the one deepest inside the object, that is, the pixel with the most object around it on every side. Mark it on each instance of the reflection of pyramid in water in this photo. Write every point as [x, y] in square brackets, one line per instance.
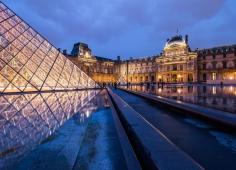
[28, 62]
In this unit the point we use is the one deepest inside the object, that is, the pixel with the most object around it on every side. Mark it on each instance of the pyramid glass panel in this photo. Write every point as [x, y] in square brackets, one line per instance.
[28, 62]
[28, 119]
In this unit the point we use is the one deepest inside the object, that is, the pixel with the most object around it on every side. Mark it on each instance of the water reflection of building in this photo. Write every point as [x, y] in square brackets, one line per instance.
[218, 97]
[177, 64]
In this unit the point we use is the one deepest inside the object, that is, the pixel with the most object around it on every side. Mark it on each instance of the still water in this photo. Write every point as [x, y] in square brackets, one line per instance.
[217, 97]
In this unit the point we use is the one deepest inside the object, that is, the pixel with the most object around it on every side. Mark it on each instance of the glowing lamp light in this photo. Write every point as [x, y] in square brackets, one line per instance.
[178, 101]
[231, 78]
[179, 91]
[214, 90]
[179, 76]
[87, 113]
[159, 90]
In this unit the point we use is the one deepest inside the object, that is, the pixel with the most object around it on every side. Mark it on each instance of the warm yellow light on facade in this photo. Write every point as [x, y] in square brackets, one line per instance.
[213, 90]
[179, 91]
[231, 78]
[179, 76]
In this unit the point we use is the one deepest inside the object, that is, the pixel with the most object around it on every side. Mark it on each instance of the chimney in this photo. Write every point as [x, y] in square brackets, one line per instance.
[118, 58]
[65, 52]
[186, 39]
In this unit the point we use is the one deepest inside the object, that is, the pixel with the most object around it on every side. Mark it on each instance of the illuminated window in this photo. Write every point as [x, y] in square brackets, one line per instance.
[213, 76]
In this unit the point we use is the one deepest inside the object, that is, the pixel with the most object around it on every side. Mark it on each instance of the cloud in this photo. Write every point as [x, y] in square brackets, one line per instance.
[144, 24]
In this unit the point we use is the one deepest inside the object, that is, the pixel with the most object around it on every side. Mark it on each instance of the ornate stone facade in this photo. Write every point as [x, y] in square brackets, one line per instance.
[100, 69]
[139, 70]
[176, 64]
[217, 65]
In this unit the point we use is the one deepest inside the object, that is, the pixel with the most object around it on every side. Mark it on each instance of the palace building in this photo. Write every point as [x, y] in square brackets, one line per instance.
[138, 70]
[176, 64]
[100, 69]
[217, 65]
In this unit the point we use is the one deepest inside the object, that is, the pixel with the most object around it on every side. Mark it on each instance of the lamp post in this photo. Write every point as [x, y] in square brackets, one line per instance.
[127, 69]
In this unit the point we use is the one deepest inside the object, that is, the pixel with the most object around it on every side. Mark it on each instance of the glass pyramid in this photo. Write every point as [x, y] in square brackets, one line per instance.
[26, 119]
[28, 62]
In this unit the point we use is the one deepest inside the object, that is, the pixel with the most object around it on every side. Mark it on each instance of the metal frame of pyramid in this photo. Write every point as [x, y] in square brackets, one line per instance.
[27, 119]
[28, 62]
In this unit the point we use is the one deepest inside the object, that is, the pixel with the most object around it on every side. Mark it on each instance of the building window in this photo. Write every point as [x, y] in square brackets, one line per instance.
[152, 79]
[214, 65]
[174, 68]
[167, 68]
[203, 66]
[214, 56]
[213, 76]
[204, 77]
[224, 64]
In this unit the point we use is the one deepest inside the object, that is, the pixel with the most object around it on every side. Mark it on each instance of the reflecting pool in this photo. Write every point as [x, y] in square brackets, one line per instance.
[217, 97]
[28, 119]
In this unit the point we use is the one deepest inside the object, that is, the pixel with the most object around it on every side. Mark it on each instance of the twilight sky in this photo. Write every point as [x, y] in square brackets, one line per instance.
[129, 28]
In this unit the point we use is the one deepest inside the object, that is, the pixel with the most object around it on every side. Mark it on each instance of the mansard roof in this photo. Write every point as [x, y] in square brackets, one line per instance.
[217, 50]
[103, 59]
[75, 50]
[177, 38]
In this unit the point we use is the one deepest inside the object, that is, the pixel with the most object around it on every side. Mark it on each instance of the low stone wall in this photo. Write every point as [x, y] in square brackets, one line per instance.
[221, 81]
[154, 149]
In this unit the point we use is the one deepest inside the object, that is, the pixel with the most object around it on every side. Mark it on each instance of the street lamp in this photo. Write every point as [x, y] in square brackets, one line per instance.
[127, 69]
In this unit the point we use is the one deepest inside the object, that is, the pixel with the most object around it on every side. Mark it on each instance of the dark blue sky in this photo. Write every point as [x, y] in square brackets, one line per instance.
[130, 28]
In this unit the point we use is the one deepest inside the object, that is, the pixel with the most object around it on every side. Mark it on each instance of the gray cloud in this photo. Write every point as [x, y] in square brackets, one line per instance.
[130, 27]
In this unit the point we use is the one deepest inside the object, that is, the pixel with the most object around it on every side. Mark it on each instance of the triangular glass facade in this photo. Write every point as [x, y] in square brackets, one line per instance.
[28, 62]
[26, 119]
